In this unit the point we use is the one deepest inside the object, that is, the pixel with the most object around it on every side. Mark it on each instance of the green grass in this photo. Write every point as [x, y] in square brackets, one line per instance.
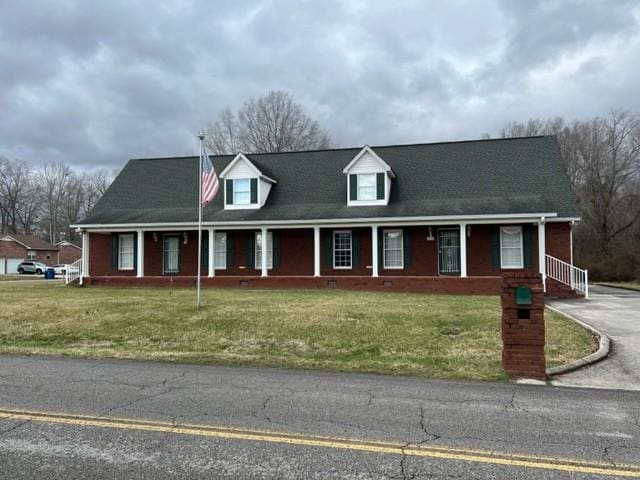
[17, 276]
[442, 336]
[631, 285]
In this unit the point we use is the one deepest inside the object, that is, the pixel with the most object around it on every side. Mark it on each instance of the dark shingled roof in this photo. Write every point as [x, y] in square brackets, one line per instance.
[497, 176]
[32, 242]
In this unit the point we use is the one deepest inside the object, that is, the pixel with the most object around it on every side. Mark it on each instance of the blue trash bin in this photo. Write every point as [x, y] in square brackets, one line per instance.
[50, 274]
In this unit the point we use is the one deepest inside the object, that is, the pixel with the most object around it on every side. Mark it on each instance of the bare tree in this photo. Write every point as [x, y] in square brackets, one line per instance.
[602, 159]
[273, 123]
[54, 179]
[15, 183]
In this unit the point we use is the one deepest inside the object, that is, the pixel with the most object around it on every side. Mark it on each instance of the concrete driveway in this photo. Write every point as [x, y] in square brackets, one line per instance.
[615, 312]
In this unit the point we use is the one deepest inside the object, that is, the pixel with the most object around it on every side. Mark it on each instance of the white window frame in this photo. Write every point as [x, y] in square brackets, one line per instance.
[31, 255]
[218, 250]
[334, 249]
[257, 259]
[360, 198]
[248, 192]
[502, 232]
[384, 249]
[122, 253]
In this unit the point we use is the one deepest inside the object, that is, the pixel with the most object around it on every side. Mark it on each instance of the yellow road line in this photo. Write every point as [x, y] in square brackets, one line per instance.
[394, 448]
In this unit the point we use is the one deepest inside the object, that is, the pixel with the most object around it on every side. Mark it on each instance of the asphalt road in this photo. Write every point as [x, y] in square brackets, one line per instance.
[615, 312]
[268, 423]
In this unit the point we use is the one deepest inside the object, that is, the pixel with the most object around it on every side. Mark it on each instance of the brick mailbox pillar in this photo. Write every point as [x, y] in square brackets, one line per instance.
[523, 325]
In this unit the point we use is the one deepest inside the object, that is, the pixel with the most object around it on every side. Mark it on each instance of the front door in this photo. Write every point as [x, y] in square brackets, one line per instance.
[449, 251]
[171, 260]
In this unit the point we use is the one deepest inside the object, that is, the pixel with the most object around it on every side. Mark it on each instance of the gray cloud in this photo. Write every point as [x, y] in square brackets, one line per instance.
[95, 83]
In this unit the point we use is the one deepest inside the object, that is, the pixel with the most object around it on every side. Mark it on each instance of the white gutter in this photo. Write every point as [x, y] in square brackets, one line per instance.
[387, 221]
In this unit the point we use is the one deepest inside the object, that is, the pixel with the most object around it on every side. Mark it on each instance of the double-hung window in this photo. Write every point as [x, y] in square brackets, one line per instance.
[393, 249]
[367, 186]
[31, 254]
[258, 257]
[221, 250]
[342, 246]
[242, 191]
[125, 251]
[511, 247]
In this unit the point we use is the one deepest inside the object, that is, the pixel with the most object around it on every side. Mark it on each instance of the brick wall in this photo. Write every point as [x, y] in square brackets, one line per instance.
[296, 257]
[100, 257]
[68, 254]
[449, 285]
[10, 249]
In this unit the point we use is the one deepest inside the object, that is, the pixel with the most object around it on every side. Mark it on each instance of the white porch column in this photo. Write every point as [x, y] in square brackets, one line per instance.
[212, 253]
[263, 251]
[85, 255]
[374, 250]
[316, 251]
[542, 252]
[463, 249]
[140, 259]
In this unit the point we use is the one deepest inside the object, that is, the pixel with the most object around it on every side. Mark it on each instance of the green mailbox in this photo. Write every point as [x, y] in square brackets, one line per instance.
[523, 295]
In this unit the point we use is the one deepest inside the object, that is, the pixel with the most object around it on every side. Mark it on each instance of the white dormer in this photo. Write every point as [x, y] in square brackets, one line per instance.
[368, 179]
[245, 186]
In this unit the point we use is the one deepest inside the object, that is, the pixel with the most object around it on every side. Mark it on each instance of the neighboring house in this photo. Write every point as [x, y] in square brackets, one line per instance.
[68, 252]
[17, 248]
[445, 217]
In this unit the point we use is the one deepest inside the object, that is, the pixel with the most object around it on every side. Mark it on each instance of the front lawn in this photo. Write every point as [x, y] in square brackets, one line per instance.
[442, 336]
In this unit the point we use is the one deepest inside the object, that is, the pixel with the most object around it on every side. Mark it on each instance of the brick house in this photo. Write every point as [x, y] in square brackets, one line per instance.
[440, 217]
[16, 248]
[68, 252]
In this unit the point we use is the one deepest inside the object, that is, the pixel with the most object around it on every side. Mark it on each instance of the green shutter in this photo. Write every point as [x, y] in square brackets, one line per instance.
[229, 190]
[353, 187]
[495, 247]
[254, 190]
[355, 248]
[230, 252]
[135, 250]
[380, 249]
[251, 250]
[276, 249]
[380, 186]
[406, 245]
[328, 248]
[526, 245]
[204, 249]
[114, 251]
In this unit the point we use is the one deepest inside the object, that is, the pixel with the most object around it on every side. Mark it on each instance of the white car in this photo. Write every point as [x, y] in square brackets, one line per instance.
[61, 268]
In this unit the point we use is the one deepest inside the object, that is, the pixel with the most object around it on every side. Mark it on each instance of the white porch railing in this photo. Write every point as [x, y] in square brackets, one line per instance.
[73, 273]
[563, 272]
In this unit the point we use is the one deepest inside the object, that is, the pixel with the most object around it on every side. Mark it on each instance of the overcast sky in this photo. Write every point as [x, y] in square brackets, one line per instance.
[93, 83]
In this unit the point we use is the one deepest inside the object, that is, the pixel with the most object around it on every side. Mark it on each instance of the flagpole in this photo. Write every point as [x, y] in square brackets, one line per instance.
[201, 137]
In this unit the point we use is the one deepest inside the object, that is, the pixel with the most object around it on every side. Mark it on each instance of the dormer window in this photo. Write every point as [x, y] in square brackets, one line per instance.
[241, 191]
[245, 186]
[367, 187]
[369, 179]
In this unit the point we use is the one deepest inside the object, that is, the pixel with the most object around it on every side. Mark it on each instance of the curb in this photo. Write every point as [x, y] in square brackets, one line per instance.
[600, 354]
[629, 289]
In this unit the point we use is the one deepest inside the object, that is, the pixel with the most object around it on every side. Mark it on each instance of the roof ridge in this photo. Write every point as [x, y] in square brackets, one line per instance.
[340, 149]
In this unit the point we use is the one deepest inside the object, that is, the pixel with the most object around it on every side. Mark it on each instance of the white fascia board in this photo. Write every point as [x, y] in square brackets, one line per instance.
[254, 169]
[369, 150]
[563, 219]
[335, 222]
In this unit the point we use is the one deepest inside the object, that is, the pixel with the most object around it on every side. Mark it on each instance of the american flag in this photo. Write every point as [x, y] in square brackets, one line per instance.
[210, 182]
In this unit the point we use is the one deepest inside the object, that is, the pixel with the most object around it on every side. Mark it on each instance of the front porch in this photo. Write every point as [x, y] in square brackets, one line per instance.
[442, 258]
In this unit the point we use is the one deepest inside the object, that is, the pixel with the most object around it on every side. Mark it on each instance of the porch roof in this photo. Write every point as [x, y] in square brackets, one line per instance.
[481, 177]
